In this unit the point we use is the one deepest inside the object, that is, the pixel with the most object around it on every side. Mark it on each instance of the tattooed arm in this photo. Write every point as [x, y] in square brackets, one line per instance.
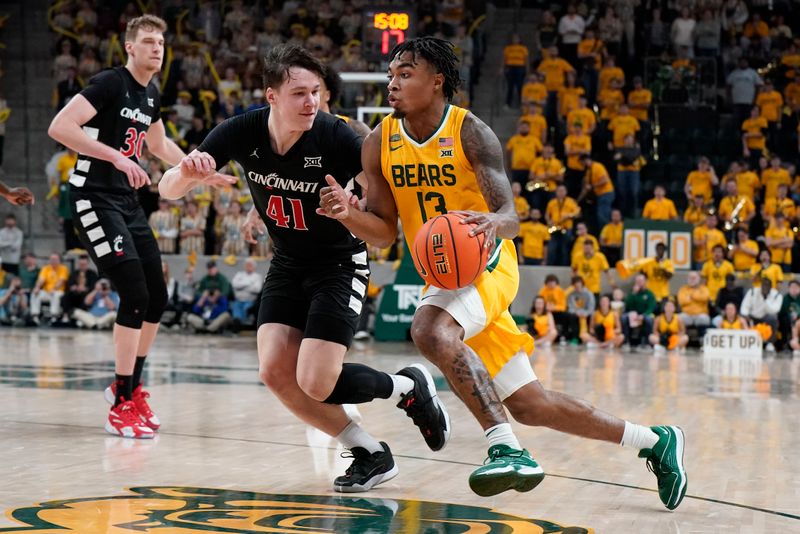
[485, 154]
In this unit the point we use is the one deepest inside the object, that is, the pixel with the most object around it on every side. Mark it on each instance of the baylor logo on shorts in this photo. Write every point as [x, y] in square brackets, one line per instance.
[166, 510]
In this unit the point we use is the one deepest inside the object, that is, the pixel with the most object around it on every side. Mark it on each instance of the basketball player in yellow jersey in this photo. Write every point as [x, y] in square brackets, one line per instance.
[430, 157]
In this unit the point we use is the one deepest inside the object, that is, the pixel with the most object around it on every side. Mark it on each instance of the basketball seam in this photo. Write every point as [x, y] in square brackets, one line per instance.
[455, 252]
[481, 266]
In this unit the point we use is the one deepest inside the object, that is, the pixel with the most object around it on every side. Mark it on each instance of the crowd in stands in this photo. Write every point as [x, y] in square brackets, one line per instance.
[596, 94]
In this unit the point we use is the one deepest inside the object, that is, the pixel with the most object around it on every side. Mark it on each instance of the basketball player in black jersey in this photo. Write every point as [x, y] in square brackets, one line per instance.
[317, 281]
[107, 124]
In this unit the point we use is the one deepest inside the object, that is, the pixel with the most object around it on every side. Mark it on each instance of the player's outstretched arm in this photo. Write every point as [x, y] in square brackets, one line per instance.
[67, 129]
[162, 146]
[485, 154]
[378, 224]
[193, 169]
[19, 196]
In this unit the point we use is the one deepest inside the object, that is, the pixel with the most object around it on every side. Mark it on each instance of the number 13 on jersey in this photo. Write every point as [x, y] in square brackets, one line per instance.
[431, 204]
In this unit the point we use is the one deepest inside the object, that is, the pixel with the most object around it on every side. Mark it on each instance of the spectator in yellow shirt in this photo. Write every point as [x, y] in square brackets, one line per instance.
[766, 269]
[542, 324]
[659, 273]
[534, 237]
[611, 238]
[556, 302]
[569, 95]
[704, 238]
[694, 298]
[701, 181]
[769, 102]
[548, 172]
[669, 332]
[576, 145]
[715, 270]
[756, 34]
[780, 204]
[598, 182]
[779, 241]
[773, 176]
[629, 165]
[581, 236]
[610, 72]
[559, 215]
[735, 208]
[744, 252]
[515, 64]
[696, 213]
[747, 182]
[521, 205]
[605, 327]
[659, 208]
[610, 99]
[521, 150]
[754, 140]
[590, 50]
[50, 286]
[590, 265]
[534, 90]
[622, 125]
[639, 100]
[582, 115]
[532, 114]
[555, 70]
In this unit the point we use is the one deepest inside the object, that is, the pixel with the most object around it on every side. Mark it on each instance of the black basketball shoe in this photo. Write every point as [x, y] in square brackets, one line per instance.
[423, 406]
[367, 470]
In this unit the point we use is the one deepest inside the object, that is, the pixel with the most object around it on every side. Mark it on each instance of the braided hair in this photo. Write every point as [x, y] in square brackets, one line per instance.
[438, 53]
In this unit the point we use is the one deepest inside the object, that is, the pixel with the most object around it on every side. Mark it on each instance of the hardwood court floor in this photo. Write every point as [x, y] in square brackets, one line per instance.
[222, 430]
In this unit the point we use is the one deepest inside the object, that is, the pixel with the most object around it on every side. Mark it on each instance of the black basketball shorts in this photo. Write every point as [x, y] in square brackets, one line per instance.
[113, 229]
[323, 300]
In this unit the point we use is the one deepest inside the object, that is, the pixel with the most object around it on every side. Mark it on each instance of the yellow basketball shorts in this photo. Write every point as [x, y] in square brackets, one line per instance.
[481, 309]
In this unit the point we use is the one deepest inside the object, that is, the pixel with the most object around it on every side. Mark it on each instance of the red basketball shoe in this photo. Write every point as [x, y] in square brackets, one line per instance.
[124, 420]
[140, 397]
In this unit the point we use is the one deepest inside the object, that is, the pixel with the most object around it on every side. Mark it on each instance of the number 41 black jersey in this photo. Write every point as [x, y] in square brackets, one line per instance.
[285, 188]
[125, 111]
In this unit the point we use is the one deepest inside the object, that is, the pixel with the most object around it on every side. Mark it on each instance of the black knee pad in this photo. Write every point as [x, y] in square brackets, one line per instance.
[128, 278]
[156, 288]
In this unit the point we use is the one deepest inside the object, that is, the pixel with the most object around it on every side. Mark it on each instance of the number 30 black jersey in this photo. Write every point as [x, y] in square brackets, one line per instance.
[125, 111]
[285, 188]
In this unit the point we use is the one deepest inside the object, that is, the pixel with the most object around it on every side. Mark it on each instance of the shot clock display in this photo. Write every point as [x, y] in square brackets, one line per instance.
[384, 28]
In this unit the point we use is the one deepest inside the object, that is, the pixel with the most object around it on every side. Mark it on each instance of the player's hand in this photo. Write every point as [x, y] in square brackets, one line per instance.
[136, 175]
[198, 166]
[487, 222]
[252, 223]
[220, 180]
[334, 201]
[20, 196]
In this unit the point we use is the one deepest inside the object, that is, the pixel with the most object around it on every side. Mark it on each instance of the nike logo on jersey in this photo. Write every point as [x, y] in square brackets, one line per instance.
[255, 154]
[393, 148]
[313, 162]
[150, 102]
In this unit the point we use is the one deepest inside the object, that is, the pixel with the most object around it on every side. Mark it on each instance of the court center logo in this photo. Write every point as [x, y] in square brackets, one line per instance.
[181, 510]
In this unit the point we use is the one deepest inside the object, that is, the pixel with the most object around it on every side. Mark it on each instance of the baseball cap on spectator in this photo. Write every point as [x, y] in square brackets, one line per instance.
[210, 264]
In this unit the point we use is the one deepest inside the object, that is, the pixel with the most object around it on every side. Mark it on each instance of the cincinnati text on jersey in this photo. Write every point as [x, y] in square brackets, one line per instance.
[135, 115]
[421, 174]
[273, 181]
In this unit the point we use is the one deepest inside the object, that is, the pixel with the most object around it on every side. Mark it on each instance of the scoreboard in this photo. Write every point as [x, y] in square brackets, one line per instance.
[384, 28]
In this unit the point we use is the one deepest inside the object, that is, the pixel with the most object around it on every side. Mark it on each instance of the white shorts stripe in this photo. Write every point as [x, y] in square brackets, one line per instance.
[83, 165]
[91, 132]
[95, 233]
[355, 305]
[360, 258]
[362, 272]
[89, 219]
[102, 249]
[77, 180]
[359, 287]
[83, 205]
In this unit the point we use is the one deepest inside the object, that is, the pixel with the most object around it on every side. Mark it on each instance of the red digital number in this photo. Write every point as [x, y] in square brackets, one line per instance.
[134, 142]
[276, 212]
[399, 36]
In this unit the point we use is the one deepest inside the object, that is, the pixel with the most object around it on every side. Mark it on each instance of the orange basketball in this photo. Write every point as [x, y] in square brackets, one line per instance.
[445, 255]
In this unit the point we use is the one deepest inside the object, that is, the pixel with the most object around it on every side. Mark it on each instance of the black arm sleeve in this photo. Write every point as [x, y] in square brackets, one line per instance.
[346, 151]
[220, 141]
[103, 88]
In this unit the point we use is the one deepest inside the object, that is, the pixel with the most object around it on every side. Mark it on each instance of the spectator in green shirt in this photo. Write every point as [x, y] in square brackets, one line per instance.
[29, 272]
[637, 321]
[213, 280]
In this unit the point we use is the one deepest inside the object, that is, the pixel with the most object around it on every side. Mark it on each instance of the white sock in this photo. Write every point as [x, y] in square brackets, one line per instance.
[502, 435]
[638, 437]
[401, 385]
[355, 436]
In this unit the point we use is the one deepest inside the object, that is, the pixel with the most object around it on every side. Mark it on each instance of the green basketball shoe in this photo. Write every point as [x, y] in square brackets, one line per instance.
[665, 460]
[506, 469]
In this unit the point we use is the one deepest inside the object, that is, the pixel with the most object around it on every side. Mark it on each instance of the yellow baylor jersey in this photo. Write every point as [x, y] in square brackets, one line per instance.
[431, 176]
